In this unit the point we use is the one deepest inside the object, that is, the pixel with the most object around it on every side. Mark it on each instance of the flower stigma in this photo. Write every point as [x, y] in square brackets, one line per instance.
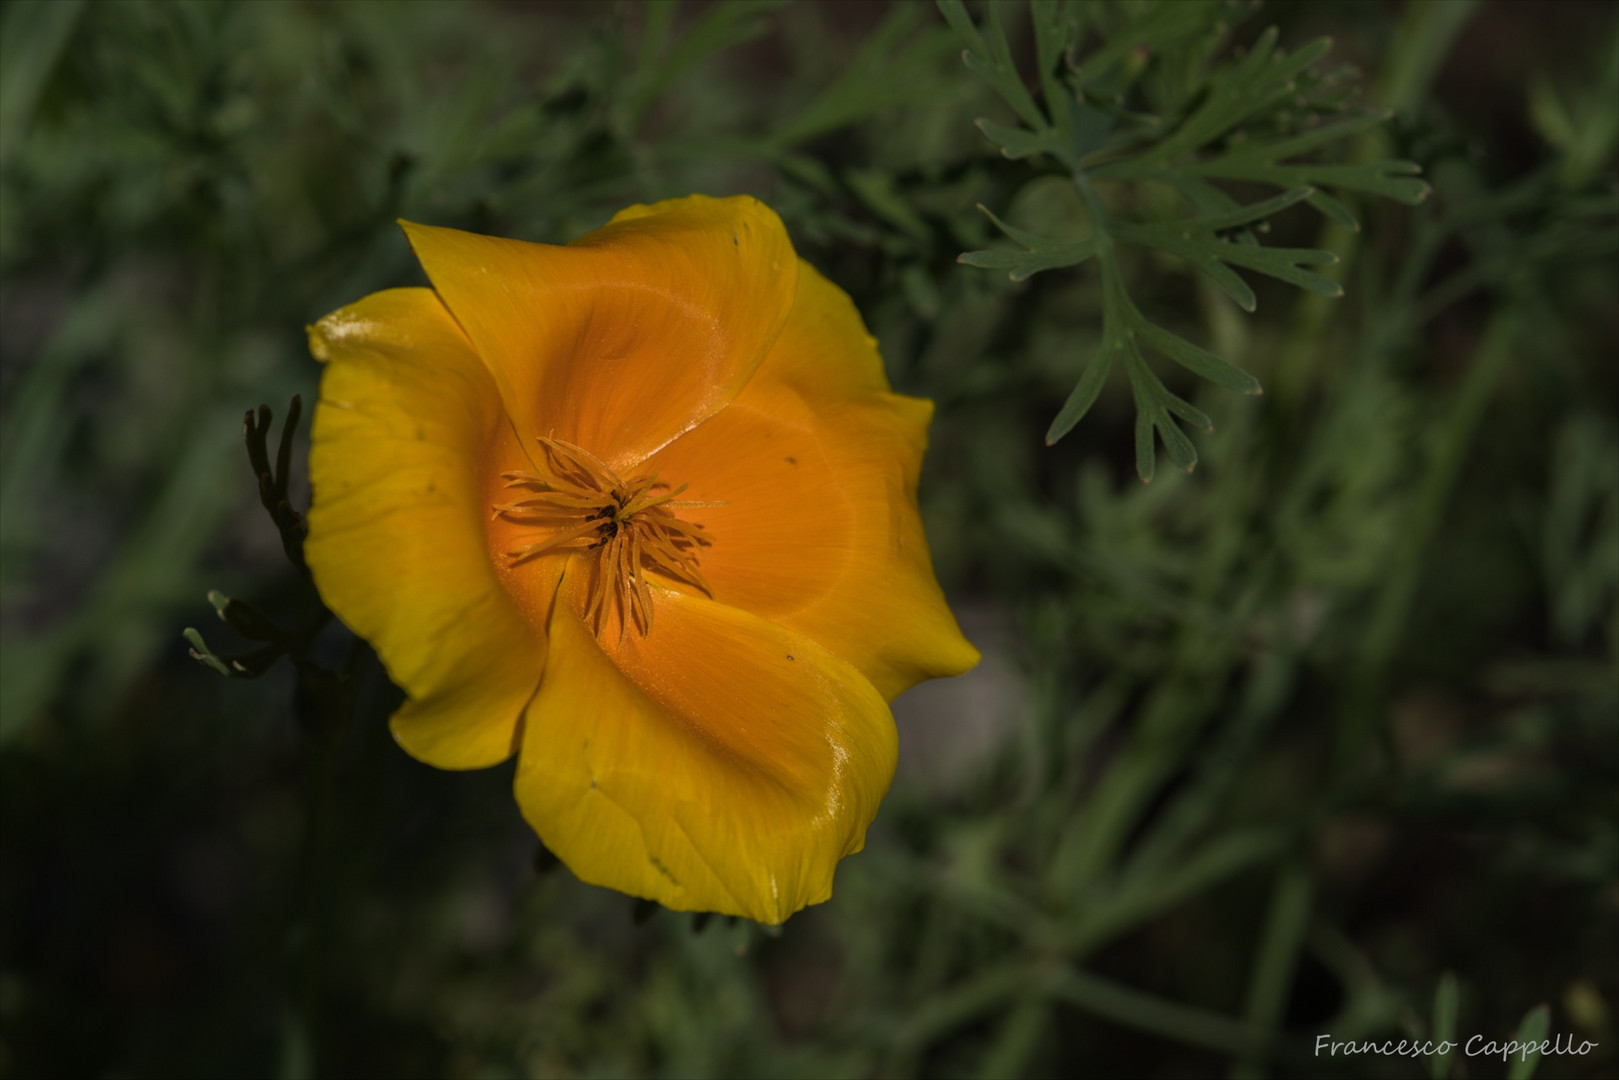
[626, 527]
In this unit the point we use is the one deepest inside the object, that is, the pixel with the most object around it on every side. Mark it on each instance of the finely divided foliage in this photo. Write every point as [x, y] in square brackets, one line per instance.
[1319, 740]
[1247, 119]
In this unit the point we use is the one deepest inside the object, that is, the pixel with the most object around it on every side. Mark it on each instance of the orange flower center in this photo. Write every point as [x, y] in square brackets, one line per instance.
[625, 527]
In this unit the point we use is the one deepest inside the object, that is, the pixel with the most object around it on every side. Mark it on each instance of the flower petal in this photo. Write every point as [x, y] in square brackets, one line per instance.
[631, 334]
[817, 465]
[825, 348]
[409, 439]
[721, 763]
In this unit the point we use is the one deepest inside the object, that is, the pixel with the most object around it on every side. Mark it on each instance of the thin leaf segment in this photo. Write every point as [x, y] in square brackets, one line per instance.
[1230, 123]
[628, 527]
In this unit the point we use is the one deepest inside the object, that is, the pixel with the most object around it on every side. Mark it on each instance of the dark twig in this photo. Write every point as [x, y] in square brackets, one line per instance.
[243, 617]
[273, 483]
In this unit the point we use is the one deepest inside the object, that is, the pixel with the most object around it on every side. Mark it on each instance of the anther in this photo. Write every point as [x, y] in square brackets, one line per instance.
[628, 527]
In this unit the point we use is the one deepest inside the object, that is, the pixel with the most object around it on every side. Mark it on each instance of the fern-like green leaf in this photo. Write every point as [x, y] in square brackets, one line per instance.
[1247, 120]
[1040, 252]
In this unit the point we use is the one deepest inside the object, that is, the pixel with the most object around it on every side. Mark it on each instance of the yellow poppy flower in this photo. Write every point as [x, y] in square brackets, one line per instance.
[640, 509]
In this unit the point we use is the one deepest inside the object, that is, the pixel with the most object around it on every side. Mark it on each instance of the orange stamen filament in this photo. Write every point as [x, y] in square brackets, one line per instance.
[628, 526]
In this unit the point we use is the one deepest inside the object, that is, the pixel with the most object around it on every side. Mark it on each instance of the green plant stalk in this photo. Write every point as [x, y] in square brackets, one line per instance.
[1269, 682]
[1446, 1005]
[1392, 607]
[1144, 1012]
[38, 33]
[1532, 1031]
[1100, 826]
[1172, 714]
[1136, 902]
[1035, 984]
[1421, 43]
[1370, 1005]
[1017, 1038]
[311, 933]
[957, 1005]
[326, 711]
[1285, 925]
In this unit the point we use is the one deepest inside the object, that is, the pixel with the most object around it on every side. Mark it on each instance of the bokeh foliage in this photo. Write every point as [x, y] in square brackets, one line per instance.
[1321, 738]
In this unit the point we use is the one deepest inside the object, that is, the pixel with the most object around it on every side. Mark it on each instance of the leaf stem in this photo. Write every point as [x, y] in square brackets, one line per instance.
[1285, 927]
[1145, 1012]
[325, 705]
[1388, 623]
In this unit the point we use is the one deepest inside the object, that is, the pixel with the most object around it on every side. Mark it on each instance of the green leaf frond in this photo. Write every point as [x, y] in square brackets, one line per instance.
[1151, 104]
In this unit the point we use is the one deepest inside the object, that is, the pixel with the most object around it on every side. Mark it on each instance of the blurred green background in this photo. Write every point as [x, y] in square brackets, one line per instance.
[1322, 738]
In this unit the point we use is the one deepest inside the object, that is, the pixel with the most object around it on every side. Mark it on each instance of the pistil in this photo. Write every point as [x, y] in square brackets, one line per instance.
[625, 527]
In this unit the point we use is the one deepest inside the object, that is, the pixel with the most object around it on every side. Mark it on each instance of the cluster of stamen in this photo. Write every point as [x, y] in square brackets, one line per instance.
[629, 526]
